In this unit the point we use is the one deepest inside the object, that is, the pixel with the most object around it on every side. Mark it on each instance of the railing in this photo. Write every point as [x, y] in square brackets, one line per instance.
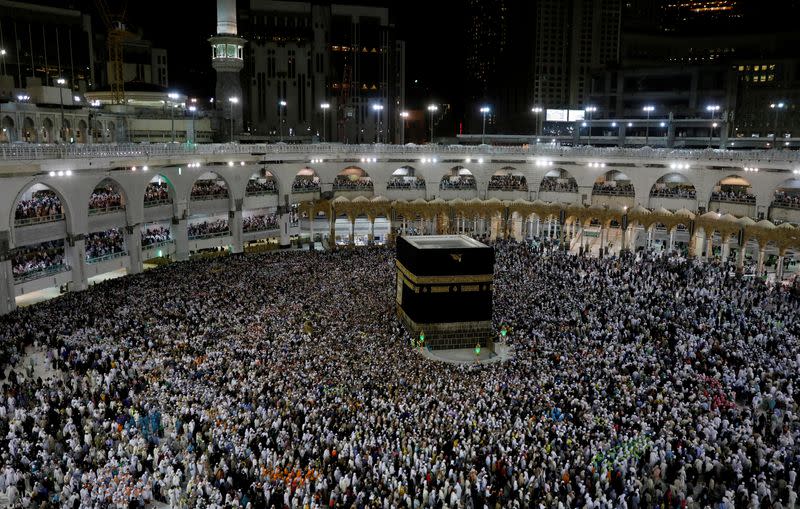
[345, 187]
[266, 229]
[210, 235]
[786, 205]
[261, 193]
[559, 190]
[206, 197]
[155, 245]
[305, 189]
[106, 257]
[676, 196]
[508, 188]
[613, 192]
[724, 199]
[151, 151]
[105, 210]
[38, 220]
[157, 203]
[37, 274]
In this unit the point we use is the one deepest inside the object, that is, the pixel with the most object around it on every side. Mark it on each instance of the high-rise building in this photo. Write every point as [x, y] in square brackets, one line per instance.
[302, 55]
[574, 39]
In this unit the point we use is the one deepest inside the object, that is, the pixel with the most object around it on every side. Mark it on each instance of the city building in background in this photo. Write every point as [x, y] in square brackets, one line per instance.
[303, 55]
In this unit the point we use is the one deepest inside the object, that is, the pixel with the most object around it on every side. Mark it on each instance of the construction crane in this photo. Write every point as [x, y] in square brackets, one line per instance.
[117, 34]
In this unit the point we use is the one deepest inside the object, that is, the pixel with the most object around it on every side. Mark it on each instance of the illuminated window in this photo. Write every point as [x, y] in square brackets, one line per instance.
[757, 68]
[763, 78]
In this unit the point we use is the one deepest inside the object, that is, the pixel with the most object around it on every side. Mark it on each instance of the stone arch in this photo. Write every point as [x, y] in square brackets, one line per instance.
[8, 132]
[558, 180]
[107, 195]
[613, 183]
[82, 132]
[110, 134]
[306, 181]
[353, 178]
[28, 130]
[155, 189]
[508, 178]
[47, 130]
[27, 192]
[211, 190]
[787, 194]
[262, 182]
[458, 178]
[673, 185]
[733, 189]
[405, 177]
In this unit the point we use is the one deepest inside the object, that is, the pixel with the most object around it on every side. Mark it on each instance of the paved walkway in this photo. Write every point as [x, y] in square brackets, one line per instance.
[459, 356]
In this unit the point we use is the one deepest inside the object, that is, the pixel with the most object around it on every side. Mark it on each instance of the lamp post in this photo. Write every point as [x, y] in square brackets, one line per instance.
[3, 54]
[713, 109]
[648, 109]
[777, 107]
[173, 96]
[589, 110]
[61, 82]
[484, 111]
[377, 108]
[193, 109]
[232, 101]
[432, 108]
[537, 111]
[325, 107]
[404, 116]
[281, 105]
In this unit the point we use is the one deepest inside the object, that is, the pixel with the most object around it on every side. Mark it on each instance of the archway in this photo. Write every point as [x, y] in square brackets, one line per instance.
[306, 181]
[107, 196]
[405, 177]
[675, 186]
[508, 179]
[558, 180]
[209, 186]
[81, 134]
[261, 183]
[47, 131]
[110, 134]
[38, 203]
[733, 189]
[613, 183]
[8, 133]
[159, 191]
[457, 179]
[352, 178]
[787, 194]
[28, 130]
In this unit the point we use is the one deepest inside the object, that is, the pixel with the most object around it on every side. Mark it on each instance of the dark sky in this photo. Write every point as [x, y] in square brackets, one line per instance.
[431, 28]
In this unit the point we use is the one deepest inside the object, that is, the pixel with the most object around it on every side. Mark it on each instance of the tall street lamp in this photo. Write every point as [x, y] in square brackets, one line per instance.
[61, 82]
[232, 101]
[377, 108]
[193, 109]
[432, 108]
[173, 97]
[3, 55]
[777, 107]
[325, 107]
[404, 116]
[713, 109]
[648, 109]
[537, 111]
[589, 110]
[484, 111]
[281, 106]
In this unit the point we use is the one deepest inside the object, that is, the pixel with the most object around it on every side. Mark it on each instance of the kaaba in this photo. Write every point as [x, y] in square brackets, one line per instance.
[444, 289]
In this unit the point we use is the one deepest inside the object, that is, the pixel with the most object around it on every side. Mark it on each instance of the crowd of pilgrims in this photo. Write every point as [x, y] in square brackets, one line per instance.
[207, 228]
[457, 182]
[399, 182]
[105, 243]
[305, 184]
[613, 187]
[782, 198]
[208, 189]
[735, 195]
[261, 186]
[553, 184]
[344, 182]
[105, 198]
[508, 183]
[155, 235]
[42, 204]
[285, 380]
[260, 223]
[679, 191]
[156, 192]
[35, 258]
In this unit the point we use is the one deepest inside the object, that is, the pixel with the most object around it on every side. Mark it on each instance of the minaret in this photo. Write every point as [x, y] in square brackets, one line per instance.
[226, 58]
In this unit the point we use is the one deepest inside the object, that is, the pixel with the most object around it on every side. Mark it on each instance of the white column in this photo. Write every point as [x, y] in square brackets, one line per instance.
[710, 246]
[371, 231]
[235, 225]
[311, 217]
[352, 231]
[8, 301]
[726, 248]
[672, 239]
[740, 257]
[76, 258]
[779, 269]
[180, 234]
[762, 253]
[133, 243]
[283, 224]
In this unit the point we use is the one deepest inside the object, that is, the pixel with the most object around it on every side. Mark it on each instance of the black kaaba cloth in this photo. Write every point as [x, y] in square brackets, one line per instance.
[444, 288]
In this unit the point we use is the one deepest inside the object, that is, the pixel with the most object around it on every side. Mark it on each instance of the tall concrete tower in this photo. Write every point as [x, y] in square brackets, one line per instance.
[227, 59]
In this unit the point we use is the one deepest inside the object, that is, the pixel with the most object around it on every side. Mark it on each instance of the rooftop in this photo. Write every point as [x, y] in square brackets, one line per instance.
[444, 242]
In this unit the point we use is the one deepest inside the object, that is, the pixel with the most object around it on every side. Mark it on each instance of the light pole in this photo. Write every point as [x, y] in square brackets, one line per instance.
[713, 109]
[404, 116]
[648, 109]
[537, 111]
[589, 110]
[232, 101]
[325, 107]
[484, 111]
[281, 106]
[432, 108]
[3, 54]
[377, 108]
[61, 82]
[173, 96]
[777, 107]
[193, 109]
